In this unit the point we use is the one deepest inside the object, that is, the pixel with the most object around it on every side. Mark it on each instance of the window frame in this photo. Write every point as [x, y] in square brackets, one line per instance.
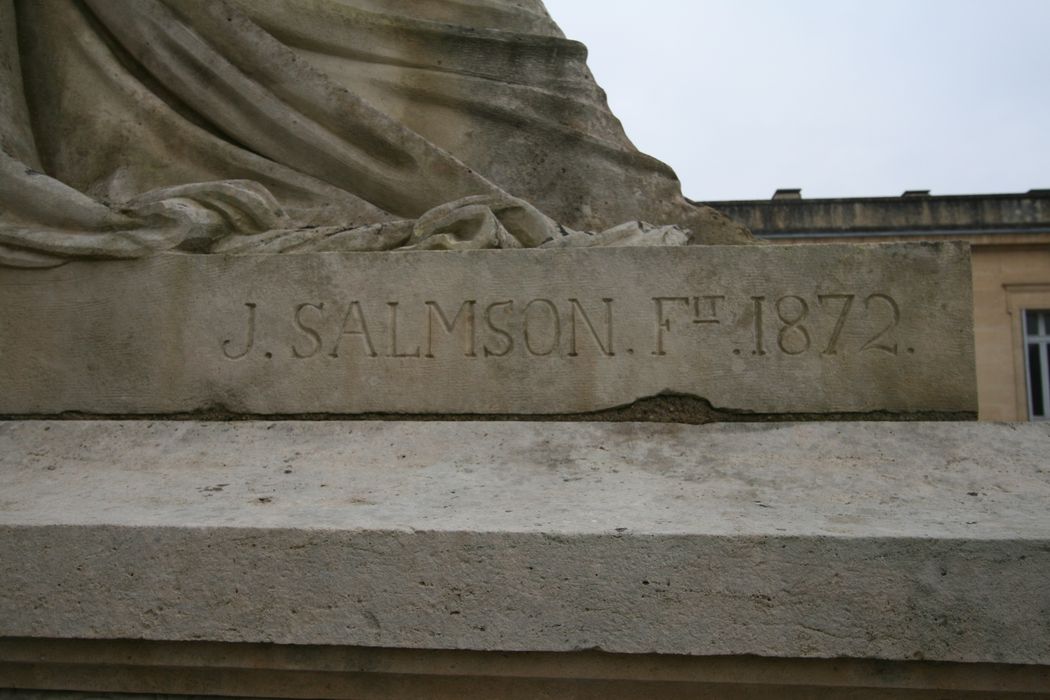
[1040, 337]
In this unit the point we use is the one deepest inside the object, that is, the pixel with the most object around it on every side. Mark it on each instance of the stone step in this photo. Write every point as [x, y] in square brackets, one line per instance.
[892, 541]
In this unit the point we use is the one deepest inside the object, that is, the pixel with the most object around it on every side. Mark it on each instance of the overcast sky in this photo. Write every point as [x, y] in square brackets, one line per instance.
[838, 97]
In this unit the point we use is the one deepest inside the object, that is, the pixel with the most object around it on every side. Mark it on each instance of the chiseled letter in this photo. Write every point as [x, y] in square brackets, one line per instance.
[251, 337]
[394, 352]
[555, 327]
[501, 332]
[466, 309]
[308, 331]
[663, 324]
[354, 315]
[607, 346]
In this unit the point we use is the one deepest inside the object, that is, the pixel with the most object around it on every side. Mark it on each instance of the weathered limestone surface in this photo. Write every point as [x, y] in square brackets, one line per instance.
[865, 540]
[129, 128]
[809, 329]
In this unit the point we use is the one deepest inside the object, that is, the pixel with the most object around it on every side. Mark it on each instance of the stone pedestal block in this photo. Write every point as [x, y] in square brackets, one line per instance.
[877, 541]
[825, 330]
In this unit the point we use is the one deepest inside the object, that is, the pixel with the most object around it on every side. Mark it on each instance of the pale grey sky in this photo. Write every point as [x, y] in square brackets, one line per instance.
[839, 97]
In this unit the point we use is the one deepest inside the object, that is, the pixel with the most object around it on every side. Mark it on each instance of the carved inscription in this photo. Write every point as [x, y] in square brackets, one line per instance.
[827, 325]
[794, 314]
[819, 329]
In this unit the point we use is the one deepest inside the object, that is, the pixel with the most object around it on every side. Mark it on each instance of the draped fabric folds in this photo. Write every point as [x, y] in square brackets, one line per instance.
[128, 128]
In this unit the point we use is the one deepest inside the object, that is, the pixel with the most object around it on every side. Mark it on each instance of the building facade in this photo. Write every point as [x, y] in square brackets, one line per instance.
[1009, 235]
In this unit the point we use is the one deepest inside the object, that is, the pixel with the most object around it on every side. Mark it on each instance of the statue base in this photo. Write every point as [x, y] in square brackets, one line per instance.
[367, 559]
[716, 331]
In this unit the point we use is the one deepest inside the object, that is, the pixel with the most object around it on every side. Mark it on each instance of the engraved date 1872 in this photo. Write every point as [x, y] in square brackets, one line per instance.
[793, 313]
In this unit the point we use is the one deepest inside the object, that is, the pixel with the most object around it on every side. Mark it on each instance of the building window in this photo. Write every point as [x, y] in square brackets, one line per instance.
[1037, 360]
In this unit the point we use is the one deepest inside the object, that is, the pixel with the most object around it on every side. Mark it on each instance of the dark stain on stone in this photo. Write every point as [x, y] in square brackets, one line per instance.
[664, 408]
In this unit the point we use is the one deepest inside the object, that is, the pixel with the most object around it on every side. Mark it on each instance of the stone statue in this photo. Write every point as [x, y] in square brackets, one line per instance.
[133, 127]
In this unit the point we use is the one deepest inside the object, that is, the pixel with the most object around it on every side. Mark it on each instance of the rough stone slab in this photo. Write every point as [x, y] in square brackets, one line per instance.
[808, 329]
[867, 540]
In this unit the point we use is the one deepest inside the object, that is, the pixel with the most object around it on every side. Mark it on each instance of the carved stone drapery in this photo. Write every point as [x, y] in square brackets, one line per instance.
[233, 125]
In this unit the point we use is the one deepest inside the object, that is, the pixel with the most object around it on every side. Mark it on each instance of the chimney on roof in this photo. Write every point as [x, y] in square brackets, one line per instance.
[916, 193]
[788, 194]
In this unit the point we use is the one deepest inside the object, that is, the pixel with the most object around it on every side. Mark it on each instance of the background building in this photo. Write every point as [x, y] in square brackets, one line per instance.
[1010, 239]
